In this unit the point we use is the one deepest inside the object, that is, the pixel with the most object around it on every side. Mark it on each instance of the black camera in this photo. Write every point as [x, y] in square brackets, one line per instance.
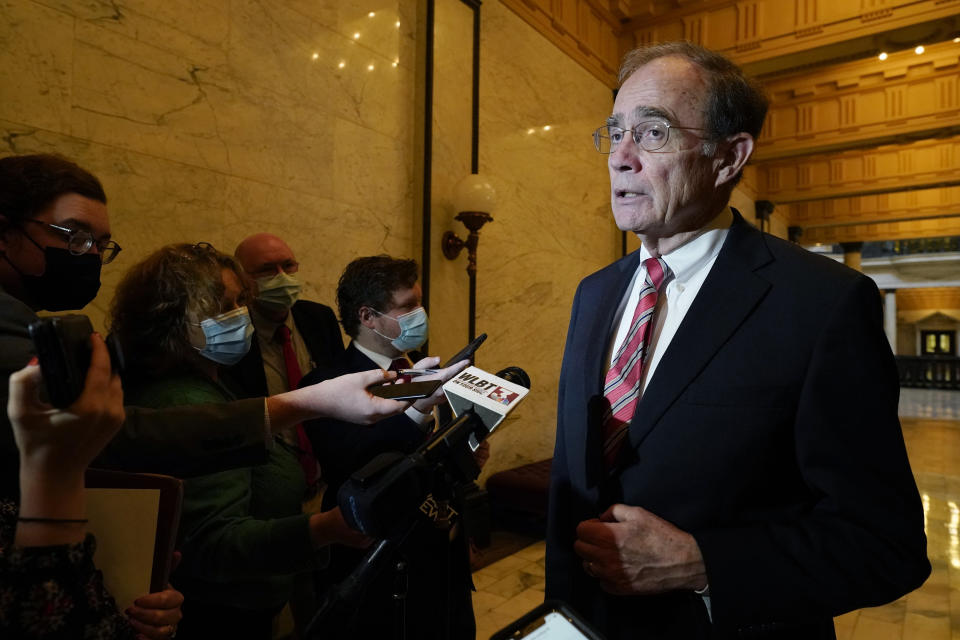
[63, 349]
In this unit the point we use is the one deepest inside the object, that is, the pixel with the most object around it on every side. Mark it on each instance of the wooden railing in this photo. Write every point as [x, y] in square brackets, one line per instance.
[929, 372]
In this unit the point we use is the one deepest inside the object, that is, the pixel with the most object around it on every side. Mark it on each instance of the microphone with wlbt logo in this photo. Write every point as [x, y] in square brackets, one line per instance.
[489, 397]
[382, 496]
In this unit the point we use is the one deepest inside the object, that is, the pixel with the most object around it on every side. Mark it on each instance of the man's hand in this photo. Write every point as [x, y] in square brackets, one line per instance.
[426, 405]
[345, 398]
[156, 615]
[633, 552]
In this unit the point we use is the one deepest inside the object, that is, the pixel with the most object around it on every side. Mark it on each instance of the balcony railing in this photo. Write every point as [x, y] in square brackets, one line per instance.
[891, 248]
[929, 372]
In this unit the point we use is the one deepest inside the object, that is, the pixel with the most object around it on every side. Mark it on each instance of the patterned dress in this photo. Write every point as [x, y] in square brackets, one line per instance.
[54, 592]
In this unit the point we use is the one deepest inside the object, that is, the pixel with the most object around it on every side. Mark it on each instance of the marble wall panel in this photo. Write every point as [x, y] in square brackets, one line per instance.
[154, 201]
[35, 73]
[198, 26]
[218, 89]
[211, 120]
[450, 162]
[373, 170]
[379, 31]
[553, 224]
[586, 31]
[299, 57]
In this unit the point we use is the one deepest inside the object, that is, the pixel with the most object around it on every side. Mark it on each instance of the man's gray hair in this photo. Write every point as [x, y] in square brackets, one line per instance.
[735, 102]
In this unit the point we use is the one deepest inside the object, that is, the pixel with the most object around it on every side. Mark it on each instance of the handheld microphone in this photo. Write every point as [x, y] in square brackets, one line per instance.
[491, 397]
[378, 498]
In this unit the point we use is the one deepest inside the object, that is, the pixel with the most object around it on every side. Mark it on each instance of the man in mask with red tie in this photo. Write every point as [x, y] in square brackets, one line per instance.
[286, 325]
[293, 336]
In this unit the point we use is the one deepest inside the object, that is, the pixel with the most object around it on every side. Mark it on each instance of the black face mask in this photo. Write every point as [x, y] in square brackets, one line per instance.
[67, 282]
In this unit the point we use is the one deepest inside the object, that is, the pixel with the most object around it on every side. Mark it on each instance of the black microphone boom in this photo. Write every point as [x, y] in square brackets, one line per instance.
[377, 498]
[385, 498]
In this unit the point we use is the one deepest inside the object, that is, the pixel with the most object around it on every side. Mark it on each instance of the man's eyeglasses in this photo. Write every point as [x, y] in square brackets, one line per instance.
[652, 135]
[272, 268]
[80, 242]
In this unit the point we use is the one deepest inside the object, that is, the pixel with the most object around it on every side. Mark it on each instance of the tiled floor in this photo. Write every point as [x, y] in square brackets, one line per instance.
[507, 589]
[931, 428]
[932, 612]
[930, 403]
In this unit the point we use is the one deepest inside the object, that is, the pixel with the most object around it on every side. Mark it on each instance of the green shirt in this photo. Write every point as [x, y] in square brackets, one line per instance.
[242, 532]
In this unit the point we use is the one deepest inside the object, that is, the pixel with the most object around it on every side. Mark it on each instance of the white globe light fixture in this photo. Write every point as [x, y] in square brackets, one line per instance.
[474, 198]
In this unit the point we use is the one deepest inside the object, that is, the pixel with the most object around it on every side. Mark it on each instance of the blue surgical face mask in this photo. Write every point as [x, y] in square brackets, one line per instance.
[228, 336]
[413, 330]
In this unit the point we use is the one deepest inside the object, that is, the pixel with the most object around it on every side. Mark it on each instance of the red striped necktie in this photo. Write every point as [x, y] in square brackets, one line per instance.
[621, 386]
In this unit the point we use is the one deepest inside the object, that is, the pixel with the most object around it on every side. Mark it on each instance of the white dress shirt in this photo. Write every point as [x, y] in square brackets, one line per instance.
[689, 265]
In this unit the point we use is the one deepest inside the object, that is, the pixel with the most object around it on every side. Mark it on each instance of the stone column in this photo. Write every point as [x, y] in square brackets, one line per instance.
[851, 254]
[890, 317]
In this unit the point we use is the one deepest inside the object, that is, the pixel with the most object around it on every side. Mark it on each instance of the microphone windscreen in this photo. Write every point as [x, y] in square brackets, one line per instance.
[516, 375]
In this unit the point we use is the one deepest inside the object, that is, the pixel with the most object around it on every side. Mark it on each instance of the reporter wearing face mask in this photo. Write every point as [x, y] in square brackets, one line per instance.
[379, 300]
[54, 237]
[181, 316]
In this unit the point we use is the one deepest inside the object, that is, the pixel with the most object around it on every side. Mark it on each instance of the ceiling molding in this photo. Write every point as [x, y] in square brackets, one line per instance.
[749, 31]
[585, 30]
[895, 167]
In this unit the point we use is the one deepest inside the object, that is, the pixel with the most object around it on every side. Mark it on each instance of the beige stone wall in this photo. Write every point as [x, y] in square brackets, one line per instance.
[452, 122]
[213, 119]
[553, 225]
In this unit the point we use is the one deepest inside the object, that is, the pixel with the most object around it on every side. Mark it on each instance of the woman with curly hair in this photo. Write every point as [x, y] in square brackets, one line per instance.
[179, 315]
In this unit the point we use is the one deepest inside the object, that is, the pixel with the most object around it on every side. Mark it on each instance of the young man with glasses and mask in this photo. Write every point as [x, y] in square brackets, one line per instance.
[379, 300]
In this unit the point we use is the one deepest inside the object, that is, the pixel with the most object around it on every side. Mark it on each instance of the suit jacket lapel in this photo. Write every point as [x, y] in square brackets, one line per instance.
[604, 300]
[302, 323]
[599, 305]
[728, 295]
[357, 361]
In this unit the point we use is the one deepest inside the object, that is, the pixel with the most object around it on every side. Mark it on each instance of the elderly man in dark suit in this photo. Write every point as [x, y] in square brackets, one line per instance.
[729, 461]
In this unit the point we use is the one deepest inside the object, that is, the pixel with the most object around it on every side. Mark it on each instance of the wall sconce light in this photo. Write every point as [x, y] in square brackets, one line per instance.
[473, 197]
